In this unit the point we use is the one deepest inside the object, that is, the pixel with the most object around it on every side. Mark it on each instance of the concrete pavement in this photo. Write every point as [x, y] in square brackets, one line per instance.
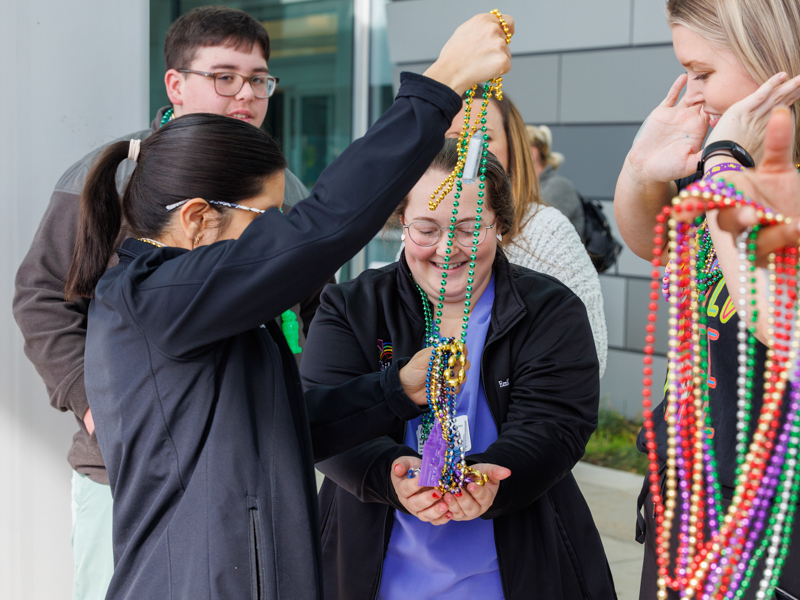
[611, 496]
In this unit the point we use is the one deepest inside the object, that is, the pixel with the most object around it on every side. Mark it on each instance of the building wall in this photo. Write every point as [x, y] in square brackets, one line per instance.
[78, 77]
[592, 71]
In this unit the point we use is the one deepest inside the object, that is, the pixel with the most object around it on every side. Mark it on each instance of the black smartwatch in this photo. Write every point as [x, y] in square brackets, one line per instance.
[725, 147]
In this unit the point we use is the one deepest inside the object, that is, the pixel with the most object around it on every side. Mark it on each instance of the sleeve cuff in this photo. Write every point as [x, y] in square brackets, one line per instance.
[416, 85]
[400, 404]
[76, 399]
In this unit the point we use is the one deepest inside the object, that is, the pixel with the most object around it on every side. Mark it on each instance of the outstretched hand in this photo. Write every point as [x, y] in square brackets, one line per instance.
[476, 52]
[774, 183]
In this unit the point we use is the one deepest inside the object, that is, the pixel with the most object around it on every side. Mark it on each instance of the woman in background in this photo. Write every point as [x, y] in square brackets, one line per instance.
[555, 190]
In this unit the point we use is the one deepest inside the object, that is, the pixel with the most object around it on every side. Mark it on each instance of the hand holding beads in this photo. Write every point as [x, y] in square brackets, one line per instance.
[476, 52]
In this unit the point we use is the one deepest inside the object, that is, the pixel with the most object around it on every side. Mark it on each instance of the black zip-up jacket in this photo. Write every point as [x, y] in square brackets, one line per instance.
[539, 372]
[199, 408]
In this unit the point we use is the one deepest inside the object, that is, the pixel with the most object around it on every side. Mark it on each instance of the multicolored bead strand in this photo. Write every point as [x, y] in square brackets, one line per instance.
[717, 554]
[448, 365]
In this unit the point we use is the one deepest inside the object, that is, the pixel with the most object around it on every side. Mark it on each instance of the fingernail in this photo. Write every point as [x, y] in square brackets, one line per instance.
[459, 494]
[442, 508]
[449, 515]
[472, 487]
[436, 495]
[448, 499]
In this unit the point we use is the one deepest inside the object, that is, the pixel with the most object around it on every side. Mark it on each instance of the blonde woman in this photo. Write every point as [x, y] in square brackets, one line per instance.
[742, 59]
[555, 190]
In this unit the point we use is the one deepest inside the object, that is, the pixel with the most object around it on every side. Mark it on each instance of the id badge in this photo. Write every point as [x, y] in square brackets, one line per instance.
[462, 424]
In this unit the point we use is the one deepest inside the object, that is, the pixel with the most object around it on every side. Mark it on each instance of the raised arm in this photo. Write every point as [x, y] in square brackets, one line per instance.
[233, 286]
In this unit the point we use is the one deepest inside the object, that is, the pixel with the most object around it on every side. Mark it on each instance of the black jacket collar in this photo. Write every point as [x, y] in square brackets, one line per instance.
[132, 248]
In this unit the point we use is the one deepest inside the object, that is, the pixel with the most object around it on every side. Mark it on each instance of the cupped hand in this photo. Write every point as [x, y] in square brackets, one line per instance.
[669, 143]
[476, 499]
[745, 121]
[476, 52]
[414, 374]
[425, 503]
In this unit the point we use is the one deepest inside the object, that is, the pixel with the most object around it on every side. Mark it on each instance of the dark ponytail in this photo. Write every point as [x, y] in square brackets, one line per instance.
[196, 156]
[99, 225]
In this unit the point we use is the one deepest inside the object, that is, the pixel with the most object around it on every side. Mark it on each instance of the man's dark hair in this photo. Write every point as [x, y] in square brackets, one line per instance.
[212, 26]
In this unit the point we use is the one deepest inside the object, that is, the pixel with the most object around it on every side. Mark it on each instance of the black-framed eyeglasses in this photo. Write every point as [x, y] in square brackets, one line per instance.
[425, 233]
[230, 84]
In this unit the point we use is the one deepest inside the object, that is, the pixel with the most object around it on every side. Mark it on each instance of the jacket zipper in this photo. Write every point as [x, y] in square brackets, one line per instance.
[256, 557]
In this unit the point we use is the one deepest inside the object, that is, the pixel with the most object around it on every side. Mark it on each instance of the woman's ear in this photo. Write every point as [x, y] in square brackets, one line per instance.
[194, 220]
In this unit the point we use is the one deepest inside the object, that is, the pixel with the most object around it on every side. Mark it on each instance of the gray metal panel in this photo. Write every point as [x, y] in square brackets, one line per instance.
[621, 386]
[636, 317]
[533, 85]
[615, 296]
[419, 28]
[411, 67]
[650, 22]
[594, 155]
[620, 86]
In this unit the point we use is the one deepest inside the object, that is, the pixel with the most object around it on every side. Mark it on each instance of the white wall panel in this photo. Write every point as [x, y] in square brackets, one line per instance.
[419, 28]
[79, 75]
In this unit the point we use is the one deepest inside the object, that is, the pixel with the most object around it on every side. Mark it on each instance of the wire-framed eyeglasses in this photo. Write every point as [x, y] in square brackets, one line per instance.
[426, 233]
[230, 84]
[170, 207]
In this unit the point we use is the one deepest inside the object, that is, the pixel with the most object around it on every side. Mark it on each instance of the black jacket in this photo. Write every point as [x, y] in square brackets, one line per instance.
[540, 375]
[199, 409]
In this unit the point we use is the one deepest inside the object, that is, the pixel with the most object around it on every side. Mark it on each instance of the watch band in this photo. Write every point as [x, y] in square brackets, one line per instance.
[729, 148]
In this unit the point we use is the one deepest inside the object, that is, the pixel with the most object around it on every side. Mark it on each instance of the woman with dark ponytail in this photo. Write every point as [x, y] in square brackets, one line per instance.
[208, 440]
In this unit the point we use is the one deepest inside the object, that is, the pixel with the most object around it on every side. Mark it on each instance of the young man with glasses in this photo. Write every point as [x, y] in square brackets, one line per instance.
[216, 60]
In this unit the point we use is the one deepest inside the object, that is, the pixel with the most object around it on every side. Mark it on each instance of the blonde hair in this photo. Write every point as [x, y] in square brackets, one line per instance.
[524, 184]
[764, 35]
[541, 138]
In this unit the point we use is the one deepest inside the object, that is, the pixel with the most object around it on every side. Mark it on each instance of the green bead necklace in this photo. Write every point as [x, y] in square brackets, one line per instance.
[447, 369]
[168, 116]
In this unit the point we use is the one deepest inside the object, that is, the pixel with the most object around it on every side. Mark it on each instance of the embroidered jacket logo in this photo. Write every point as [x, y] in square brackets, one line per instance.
[503, 383]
